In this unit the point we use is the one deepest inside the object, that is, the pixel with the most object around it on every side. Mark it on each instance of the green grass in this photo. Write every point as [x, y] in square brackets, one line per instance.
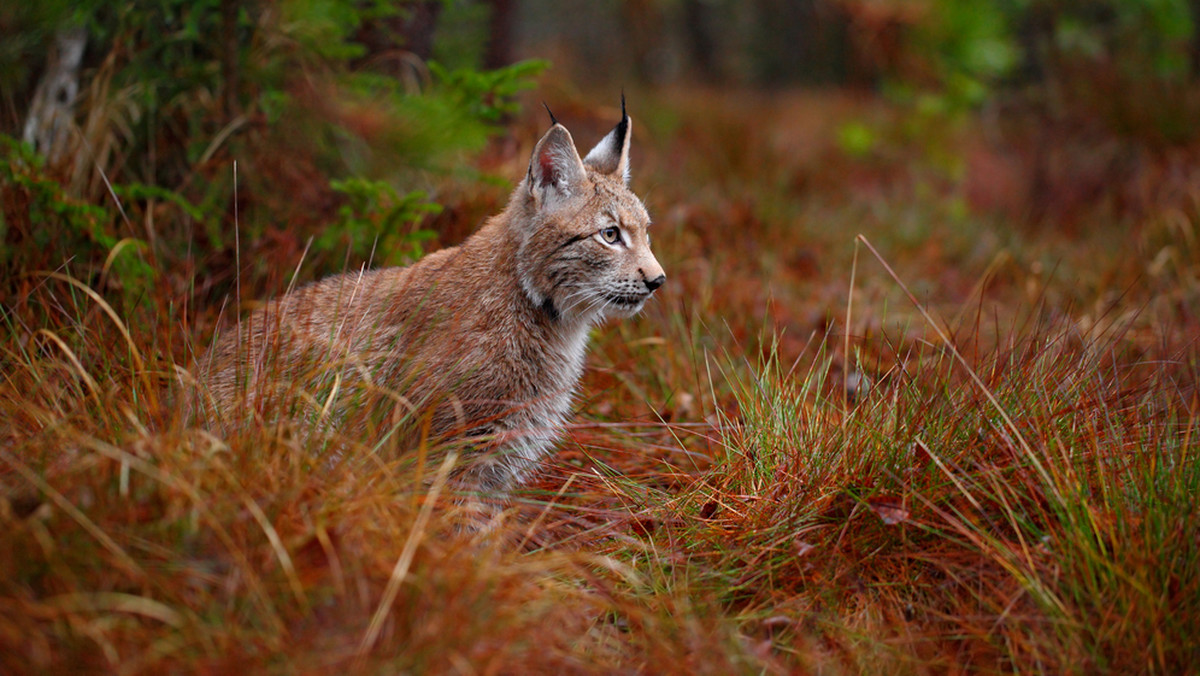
[1013, 490]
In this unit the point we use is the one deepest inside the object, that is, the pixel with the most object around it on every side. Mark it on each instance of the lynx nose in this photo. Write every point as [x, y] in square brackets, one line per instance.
[658, 281]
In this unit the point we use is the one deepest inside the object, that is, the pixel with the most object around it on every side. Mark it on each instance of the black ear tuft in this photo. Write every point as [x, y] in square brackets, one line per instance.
[622, 128]
[611, 154]
[554, 120]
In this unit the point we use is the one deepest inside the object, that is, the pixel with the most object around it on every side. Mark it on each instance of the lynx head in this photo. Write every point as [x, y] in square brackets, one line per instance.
[584, 250]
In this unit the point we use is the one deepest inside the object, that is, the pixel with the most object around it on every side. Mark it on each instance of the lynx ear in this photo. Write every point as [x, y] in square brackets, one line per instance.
[555, 168]
[611, 154]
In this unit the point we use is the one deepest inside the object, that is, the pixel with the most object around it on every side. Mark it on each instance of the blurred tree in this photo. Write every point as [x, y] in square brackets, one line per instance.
[1195, 19]
[51, 111]
[701, 44]
[500, 34]
[410, 29]
[230, 63]
[800, 41]
[643, 22]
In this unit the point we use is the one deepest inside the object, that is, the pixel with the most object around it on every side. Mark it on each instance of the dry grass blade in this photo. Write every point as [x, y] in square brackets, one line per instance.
[400, 570]
[92, 387]
[97, 602]
[545, 510]
[285, 560]
[64, 504]
[201, 505]
[983, 388]
[846, 339]
[139, 363]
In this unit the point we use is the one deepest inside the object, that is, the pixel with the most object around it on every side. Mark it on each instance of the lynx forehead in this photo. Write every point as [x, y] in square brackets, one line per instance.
[485, 340]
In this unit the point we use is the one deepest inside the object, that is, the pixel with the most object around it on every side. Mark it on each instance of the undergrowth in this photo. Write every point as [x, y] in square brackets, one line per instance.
[949, 445]
[1029, 506]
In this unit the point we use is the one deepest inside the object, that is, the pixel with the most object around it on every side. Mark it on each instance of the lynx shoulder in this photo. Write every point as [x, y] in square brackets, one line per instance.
[484, 341]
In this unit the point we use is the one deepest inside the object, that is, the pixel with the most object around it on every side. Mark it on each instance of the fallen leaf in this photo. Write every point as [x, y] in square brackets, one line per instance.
[889, 510]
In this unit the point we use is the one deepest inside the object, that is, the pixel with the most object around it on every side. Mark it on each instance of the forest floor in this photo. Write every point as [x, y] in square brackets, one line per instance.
[917, 397]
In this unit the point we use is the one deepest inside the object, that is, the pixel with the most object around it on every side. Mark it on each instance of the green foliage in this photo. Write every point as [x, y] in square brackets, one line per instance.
[463, 28]
[972, 47]
[26, 31]
[324, 28]
[139, 192]
[856, 139]
[968, 49]
[42, 227]
[488, 95]
[39, 217]
[1129, 64]
[1148, 35]
[175, 92]
[378, 223]
[167, 53]
[1109, 58]
[431, 130]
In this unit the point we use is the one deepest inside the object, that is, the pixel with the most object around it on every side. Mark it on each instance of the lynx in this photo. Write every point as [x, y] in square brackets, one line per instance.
[484, 341]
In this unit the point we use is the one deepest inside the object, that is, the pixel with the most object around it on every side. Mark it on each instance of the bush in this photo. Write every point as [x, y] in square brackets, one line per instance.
[174, 93]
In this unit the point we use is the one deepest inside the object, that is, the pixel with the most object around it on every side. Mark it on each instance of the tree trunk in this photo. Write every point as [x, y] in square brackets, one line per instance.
[52, 111]
[500, 34]
[229, 58]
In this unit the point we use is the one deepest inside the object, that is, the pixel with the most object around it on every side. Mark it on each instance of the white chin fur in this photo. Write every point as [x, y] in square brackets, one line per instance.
[623, 311]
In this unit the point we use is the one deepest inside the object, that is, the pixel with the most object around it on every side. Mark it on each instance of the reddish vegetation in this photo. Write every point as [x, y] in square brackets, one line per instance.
[783, 465]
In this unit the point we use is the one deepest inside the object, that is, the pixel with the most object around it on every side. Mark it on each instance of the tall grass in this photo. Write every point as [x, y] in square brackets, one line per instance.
[1030, 508]
[138, 542]
[782, 467]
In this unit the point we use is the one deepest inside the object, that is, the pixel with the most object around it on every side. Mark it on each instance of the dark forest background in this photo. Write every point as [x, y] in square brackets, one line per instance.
[152, 102]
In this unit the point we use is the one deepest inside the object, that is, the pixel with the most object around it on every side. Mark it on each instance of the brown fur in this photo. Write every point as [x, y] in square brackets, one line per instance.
[485, 340]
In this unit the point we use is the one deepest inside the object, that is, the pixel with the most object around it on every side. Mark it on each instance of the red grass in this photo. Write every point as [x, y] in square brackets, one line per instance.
[1011, 489]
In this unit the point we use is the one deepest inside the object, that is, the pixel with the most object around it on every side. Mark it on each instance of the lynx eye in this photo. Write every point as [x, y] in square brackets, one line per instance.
[611, 234]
